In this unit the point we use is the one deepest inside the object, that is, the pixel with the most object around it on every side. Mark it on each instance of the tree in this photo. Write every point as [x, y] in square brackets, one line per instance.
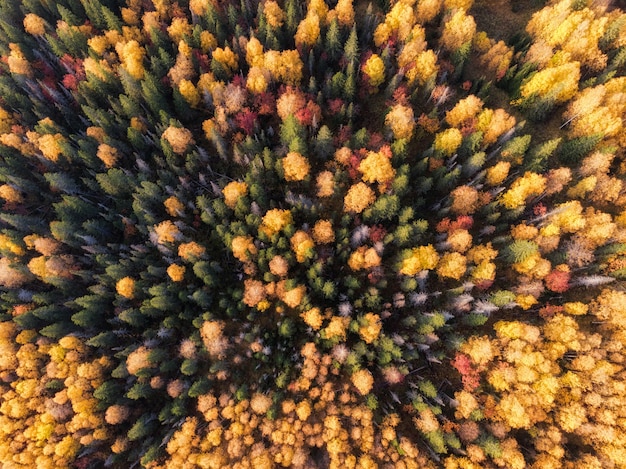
[401, 121]
[459, 29]
[374, 69]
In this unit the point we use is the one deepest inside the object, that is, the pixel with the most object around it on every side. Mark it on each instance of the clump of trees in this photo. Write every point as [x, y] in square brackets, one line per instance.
[275, 233]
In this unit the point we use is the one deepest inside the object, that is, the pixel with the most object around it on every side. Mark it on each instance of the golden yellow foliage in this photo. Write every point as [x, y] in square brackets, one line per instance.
[34, 24]
[303, 410]
[370, 330]
[226, 57]
[233, 191]
[323, 232]
[401, 121]
[459, 240]
[176, 272]
[336, 328]
[302, 245]
[208, 42]
[422, 258]
[293, 297]
[11, 194]
[285, 66]
[173, 206]
[257, 79]
[189, 92]
[179, 138]
[363, 381]
[568, 217]
[358, 198]
[190, 251]
[559, 83]
[107, 154]
[213, 338]
[464, 110]
[376, 167]
[452, 265]
[18, 63]
[493, 124]
[49, 145]
[132, 55]
[448, 141]
[413, 48]
[308, 30]
[374, 68]
[167, 232]
[126, 287]
[399, 21]
[424, 69]
[466, 403]
[344, 11]
[243, 247]
[458, 30]
[179, 29]
[313, 318]
[530, 184]
[275, 220]
[296, 167]
[274, 14]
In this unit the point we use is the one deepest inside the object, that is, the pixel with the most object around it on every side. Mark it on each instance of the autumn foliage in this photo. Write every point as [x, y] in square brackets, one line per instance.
[257, 234]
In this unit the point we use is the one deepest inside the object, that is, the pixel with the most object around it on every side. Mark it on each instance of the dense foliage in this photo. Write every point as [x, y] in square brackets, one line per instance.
[256, 234]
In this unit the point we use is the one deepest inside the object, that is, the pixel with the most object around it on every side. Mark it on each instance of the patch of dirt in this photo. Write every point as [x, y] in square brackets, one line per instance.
[502, 19]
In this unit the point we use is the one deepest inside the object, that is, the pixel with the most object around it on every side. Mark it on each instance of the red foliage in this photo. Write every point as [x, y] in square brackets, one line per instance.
[469, 375]
[354, 162]
[265, 103]
[443, 226]
[484, 284]
[239, 81]
[376, 141]
[203, 61]
[334, 106]
[550, 310]
[469, 127]
[434, 163]
[386, 150]
[376, 275]
[70, 82]
[345, 133]
[558, 281]
[400, 95]
[246, 120]
[540, 209]
[462, 222]
[377, 233]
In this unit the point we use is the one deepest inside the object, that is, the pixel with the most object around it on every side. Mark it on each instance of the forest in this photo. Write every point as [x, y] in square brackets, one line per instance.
[312, 234]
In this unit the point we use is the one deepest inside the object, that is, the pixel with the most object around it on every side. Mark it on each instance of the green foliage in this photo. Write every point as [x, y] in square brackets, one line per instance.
[573, 151]
[143, 427]
[520, 250]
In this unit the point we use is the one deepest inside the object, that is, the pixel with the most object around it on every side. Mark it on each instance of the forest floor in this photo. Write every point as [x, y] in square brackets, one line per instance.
[502, 20]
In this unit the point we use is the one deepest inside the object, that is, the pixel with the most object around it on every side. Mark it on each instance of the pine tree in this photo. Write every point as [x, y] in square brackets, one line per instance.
[351, 47]
[333, 40]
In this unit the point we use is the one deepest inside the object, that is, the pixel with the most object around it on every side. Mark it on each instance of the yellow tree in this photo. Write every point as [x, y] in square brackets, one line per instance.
[458, 30]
